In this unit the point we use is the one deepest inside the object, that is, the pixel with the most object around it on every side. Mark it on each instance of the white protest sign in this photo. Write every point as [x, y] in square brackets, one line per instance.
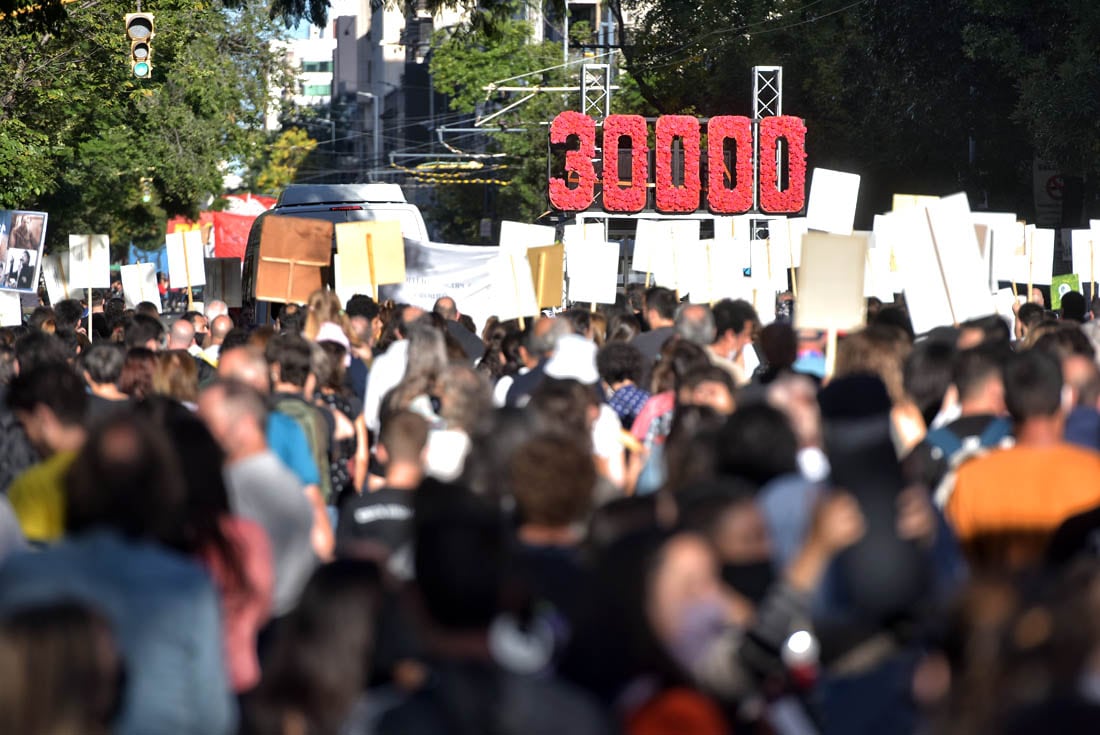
[345, 285]
[139, 283]
[833, 199]
[965, 274]
[513, 287]
[877, 279]
[831, 292]
[593, 270]
[1036, 265]
[925, 291]
[1008, 241]
[519, 236]
[89, 261]
[734, 229]
[185, 259]
[54, 273]
[1084, 244]
[11, 309]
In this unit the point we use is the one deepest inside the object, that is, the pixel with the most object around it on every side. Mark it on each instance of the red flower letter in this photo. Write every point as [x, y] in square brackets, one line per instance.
[793, 198]
[723, 200]
[632, 198]
[678, 198]
[578, 162]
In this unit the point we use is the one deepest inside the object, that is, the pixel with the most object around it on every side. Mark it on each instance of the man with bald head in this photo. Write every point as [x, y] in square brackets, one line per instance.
[219, 327]
[182, 337]
[471, 344]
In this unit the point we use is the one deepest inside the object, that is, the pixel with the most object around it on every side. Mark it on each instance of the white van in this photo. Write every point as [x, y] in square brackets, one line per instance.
[333, 203]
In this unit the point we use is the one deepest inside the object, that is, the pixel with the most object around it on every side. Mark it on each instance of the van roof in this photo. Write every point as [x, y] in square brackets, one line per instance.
[302, 194]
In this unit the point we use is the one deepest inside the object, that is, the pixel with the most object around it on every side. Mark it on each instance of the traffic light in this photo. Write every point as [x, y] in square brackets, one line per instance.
[139, 29]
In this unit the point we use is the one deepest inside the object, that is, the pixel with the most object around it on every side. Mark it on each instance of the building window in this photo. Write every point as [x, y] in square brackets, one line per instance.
[316, 90]
[317, 66]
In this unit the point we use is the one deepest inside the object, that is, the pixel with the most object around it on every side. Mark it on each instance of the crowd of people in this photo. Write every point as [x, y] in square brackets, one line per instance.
[656, 518]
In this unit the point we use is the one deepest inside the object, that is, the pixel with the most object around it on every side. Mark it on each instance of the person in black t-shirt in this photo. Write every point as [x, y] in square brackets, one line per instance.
[380, 522]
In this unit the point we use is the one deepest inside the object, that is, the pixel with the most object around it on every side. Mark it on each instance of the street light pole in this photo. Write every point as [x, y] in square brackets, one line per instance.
[376, 133]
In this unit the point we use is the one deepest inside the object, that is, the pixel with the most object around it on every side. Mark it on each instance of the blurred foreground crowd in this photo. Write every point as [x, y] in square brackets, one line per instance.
[655, 518]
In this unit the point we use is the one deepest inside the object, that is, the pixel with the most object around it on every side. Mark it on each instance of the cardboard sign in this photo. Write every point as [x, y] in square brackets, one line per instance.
[89, 261]
[593, 268]
[833, 199]
[186, 267]
[139, 283]
[54, 273]
[223, 281]
[548, 273]
[519, 236]
[293, 250]
[1007, 241]
[963, 270]
[831, 292]
[372, 254]
[1060, 286]
[11, 309]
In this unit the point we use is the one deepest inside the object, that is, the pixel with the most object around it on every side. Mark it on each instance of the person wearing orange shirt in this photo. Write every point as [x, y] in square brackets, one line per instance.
[1007, 503]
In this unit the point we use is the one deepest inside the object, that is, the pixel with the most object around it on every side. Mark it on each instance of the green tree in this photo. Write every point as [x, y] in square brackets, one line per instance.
[284, 157]
[78, 134]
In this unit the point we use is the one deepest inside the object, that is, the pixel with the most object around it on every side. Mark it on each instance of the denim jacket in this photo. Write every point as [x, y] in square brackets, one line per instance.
[165, 616]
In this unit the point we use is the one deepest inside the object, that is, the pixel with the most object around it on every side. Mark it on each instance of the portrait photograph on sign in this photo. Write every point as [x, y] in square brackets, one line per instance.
[22, 235]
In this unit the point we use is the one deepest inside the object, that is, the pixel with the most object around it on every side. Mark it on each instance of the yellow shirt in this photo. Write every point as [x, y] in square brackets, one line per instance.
[38, 498]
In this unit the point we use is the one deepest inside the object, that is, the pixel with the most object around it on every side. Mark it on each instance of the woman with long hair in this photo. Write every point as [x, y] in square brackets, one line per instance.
[350, 457]
[418, 391]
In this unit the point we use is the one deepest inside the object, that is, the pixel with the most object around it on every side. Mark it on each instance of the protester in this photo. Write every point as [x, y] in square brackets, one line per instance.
[471, 344]
[50, 403]
[122, 554]
[102, 369]
[220, 327]
[660, 314]
[262, 489]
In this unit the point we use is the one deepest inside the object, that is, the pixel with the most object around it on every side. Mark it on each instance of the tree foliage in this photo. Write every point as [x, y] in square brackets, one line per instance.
[285, 156]
[78, 133]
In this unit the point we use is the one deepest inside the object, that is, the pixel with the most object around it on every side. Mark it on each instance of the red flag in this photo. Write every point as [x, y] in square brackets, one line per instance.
[231, 234]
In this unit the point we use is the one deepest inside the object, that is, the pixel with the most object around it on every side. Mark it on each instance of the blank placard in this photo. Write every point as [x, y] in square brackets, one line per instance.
[830, 284]
[833, 199]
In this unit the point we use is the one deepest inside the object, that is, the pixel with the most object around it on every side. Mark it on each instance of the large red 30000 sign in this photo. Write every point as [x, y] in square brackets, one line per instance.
[577, 191]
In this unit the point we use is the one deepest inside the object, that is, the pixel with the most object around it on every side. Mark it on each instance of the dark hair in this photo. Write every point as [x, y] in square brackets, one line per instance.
[562, 406]
[62, 671]
[691, 450]
[492, 443]
[707, 374]
[634, 294]
[896, 317]
[7, 364]
[40, 316]
[662, 301]
[580, 319]
[1030, 314]
[113, 309]
[362, 306]
[127, 478]
[733, 314]
[757, 444]
[57, 387]
[974, 367]
[926, 375]
[1074, 307]
[1033, 385]
[623, 328]
[319, 664]
[553, 479]
[292, 319]
[994, 329]
[460, 556]
[293, 356]
[206, 502]
[236, 337]
[1065, 340]
[103, 362]
[136, 378]
[779, 344]
[141, 329]
[467, 321]
[619, 361]
[493, 361]
[67, 314]
[38, 349]
[677, 359]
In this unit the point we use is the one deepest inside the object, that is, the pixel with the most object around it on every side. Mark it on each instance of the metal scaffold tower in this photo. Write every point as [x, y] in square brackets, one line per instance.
[596, 90]
[767, 101]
